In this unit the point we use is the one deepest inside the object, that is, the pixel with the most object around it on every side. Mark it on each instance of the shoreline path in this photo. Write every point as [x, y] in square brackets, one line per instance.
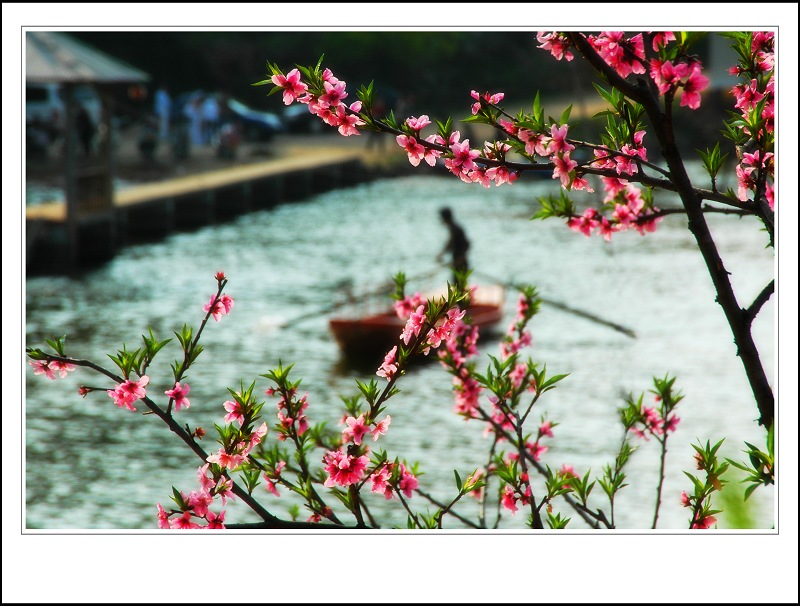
[131, 167]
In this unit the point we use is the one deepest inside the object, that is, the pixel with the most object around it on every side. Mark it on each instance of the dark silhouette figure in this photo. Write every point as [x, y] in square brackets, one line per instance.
[457, 244]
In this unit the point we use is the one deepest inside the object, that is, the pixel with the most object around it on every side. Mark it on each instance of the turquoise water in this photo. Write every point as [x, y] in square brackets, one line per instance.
[90, 465]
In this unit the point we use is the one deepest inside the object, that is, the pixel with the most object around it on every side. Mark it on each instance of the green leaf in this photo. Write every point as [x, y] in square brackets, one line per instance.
[343, 497]
[698, 485]
[604, 93]
[176, 496]
[741, 466]
[687, 39]
[771, 440]
[552, 381]
[605, 112]
[565, 115]
[476, 118]
[366, 96]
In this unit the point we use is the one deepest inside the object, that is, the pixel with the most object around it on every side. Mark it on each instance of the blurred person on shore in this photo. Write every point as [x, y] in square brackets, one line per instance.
[179, 138]
[229, 140]
[211, 119]
[194, 114]
[163, 110]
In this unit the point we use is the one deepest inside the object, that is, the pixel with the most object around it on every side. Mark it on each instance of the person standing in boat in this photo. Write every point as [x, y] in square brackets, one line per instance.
[457, 245]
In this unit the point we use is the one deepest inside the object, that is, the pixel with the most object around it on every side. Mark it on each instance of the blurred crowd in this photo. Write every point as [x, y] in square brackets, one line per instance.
[163, 124]
[160, 121]
[192, 120]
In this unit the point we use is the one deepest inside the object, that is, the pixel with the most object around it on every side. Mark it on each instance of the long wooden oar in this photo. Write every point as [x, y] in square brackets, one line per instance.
[386, 289]
[332, 307]
[564, 307]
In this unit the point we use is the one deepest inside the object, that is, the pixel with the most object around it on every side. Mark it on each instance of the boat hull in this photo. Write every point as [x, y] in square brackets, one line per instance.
[374, 335]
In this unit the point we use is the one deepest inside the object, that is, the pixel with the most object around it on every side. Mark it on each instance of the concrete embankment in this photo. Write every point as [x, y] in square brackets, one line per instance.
[149, 211]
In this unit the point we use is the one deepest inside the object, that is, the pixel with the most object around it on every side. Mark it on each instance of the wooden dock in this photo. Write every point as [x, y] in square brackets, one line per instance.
[152, 210]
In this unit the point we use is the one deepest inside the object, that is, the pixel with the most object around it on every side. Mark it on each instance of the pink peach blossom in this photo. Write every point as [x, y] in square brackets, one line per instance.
[405, 307]
[558, 140]
[415, 151]
[389, 366]
[235, 412]
[747, 95]
[463, 157]
[563, 165]
[492, 99]
[381, 427]
[270, 486]
[418, 124]
[535, 143]
[224, 489]
[206, 482]
[705, 523]
[184, 521]
[178, 393]
[291, 84]
[692, 88]
[556, 43]
[343, 469]
[537, 450]
[380, 481]
[509, 500]
[500, 175]
[215, 520]
[163, 517]
[666, 75]
[127, 392]
[225, 459]
[661, 39]
[349, 121]
[199, 502]
[218, 306]
[408, 482]
[413, 325]
[333, 95]
[621, 53]
[355, 430]
[42, 367]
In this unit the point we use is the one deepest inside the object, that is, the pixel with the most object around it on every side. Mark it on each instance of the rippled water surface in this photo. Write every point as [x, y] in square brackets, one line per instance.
[90, 465]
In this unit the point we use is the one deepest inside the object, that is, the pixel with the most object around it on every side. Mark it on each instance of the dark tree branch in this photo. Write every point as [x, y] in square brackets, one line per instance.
[760, 300]
[738, 319]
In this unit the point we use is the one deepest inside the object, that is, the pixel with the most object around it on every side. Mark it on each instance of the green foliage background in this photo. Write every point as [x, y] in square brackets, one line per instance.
[432, 70]
[436, 67]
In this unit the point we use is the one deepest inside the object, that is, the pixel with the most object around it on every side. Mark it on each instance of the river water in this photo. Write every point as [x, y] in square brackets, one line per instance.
[90, 465]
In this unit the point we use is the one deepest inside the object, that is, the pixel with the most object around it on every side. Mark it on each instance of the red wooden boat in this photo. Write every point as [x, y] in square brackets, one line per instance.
[373, 335]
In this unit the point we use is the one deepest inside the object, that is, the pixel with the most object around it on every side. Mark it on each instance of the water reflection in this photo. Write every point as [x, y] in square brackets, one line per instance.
[91, 465]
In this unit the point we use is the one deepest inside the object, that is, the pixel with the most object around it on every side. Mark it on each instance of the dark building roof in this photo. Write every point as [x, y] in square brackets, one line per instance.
[57, 57]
